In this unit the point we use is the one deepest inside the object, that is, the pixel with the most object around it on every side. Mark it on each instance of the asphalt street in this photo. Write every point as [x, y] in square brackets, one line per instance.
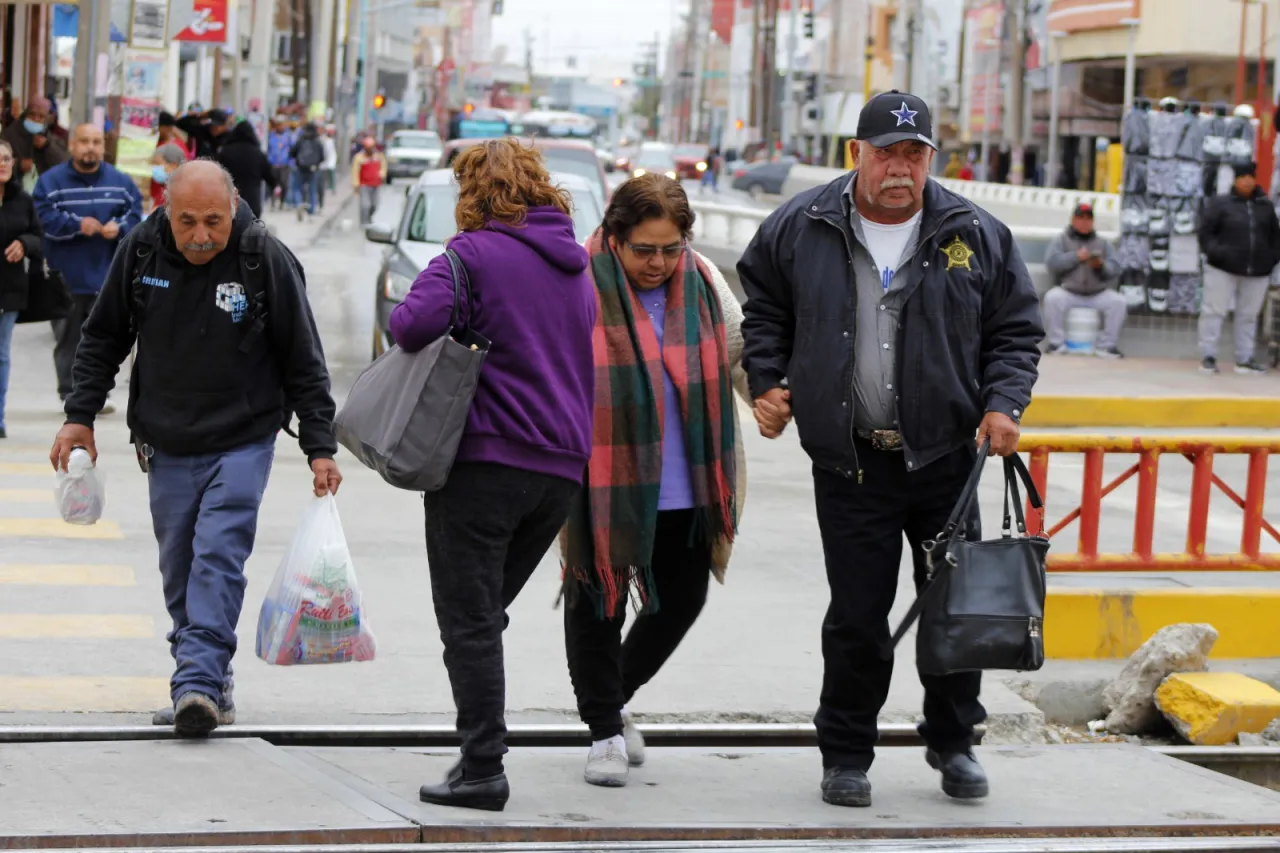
[82, 620]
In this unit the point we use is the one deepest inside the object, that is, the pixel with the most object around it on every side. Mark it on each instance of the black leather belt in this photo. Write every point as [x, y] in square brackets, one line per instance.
[882, 439]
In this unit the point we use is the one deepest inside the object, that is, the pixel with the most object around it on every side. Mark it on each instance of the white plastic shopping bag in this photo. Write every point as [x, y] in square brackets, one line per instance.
[79, 490]
[313, 612]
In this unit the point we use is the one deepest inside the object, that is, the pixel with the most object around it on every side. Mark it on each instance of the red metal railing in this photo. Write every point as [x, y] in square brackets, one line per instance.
[1200, 452]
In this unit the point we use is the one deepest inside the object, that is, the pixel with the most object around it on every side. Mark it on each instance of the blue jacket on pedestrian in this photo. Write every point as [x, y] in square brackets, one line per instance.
[64, 197]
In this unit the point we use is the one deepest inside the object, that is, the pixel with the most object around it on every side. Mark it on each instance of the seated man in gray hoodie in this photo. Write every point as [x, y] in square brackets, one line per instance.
[1084, 266]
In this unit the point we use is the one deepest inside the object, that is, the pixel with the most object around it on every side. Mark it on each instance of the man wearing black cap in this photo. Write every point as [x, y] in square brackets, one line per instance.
[1084, 265]
[899, 323]
[205, 129]
[1240, 239]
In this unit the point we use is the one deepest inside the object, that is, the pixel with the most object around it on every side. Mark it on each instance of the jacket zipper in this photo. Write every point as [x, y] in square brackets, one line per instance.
[1249, 262]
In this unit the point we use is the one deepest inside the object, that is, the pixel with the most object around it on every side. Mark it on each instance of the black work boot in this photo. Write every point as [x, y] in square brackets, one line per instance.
[846, 786]
[194, 715]
[226, 705]
[962, 776]
[489, 794]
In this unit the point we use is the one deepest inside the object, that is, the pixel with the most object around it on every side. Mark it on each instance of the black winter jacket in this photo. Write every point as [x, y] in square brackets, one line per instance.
[18, 221]
[192, 389]
[242, 155]
[970, 324]
[1240, 235]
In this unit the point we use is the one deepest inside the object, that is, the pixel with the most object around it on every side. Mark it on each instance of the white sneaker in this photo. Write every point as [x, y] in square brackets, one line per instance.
[633, 739]
[607, 763]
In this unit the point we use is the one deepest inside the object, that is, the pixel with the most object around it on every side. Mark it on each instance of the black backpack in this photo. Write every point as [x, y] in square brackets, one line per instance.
[253, 243]
[310, 153]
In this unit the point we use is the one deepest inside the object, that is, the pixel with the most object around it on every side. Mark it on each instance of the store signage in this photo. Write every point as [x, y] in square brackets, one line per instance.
[1071, 16]
[207, 24]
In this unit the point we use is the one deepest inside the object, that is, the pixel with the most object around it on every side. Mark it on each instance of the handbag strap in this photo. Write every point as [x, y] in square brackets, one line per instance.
[461, 281]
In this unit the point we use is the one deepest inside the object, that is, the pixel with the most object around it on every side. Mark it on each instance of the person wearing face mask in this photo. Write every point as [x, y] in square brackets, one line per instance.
[214, 378]
[166, 159]
[899, 323]
[86, 207]
[668, 464]
[20, 240]
[35, 149]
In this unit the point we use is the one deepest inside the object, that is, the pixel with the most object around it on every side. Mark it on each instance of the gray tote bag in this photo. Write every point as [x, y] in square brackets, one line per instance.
[406, 412]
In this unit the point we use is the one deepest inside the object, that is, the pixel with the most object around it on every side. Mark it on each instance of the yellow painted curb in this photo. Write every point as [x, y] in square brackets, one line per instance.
[75, 693]
[1172, 412]
[1096, 624]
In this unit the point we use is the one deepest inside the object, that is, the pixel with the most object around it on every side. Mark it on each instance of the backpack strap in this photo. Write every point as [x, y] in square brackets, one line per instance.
[144, 250]
[253, 251]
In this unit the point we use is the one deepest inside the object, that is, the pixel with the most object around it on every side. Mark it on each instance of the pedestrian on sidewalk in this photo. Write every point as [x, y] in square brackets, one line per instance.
[528, 435]
[307, 156]
[164, 162]
[667, 468]
[205, 130]
[241, 155]
[279, 146]
[329, 168]
[368, 173]
[1240, 238]
[1085, 267]
[166, 134]
[213, 382]
[36, 148]
[86, 208]
[20, 245]
[899, 323]
[711, 175]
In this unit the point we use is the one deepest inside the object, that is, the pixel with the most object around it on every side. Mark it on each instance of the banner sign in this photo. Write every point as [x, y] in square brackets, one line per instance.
[208, 23]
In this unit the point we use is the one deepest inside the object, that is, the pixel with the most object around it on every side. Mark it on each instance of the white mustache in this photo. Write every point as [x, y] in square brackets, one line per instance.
[895, 183]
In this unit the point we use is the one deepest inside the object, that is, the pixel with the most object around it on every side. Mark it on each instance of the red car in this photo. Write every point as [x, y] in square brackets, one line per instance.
[561, 155]
[692, 161]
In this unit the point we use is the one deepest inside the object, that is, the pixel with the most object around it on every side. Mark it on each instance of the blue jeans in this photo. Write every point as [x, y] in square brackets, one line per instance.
[7, 321]
[305, 188]
[204, 510]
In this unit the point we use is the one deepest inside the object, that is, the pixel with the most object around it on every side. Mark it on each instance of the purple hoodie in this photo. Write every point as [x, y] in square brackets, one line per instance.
[533, 299]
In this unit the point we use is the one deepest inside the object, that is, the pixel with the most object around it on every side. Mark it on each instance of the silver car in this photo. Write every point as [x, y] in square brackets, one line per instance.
[428, 222]
[412, 152]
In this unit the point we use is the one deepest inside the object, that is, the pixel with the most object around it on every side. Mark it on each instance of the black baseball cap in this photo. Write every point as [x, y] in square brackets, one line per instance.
[892, 117]
[1083, 209]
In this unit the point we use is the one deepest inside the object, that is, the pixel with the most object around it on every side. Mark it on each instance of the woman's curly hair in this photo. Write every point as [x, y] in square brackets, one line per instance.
[499, 180]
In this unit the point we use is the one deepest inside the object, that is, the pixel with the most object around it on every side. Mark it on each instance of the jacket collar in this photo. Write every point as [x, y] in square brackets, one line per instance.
[940, 204]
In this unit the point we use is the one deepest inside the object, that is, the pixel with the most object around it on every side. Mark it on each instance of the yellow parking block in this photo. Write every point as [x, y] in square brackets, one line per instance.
[26, 496]
[66, 574]
[1097, 624]
[1214, 708]
[56, 528]
[79, 626]
[26, 469]
[81, 694]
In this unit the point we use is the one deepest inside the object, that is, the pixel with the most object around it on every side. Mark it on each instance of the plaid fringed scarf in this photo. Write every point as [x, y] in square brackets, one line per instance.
[607, 545]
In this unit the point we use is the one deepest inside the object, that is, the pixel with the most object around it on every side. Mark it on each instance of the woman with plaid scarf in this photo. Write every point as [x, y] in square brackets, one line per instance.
[666, 479]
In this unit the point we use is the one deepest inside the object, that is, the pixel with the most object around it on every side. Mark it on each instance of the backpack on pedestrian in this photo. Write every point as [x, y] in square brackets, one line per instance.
[310, 154]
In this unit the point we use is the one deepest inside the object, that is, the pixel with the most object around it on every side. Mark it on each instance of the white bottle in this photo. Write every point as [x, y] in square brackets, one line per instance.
[79, 490]
[80, 463]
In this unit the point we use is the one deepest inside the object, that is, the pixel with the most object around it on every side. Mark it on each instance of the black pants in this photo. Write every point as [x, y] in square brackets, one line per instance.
[68, 339]
[487, 530]
[606, 671]
[862, 525]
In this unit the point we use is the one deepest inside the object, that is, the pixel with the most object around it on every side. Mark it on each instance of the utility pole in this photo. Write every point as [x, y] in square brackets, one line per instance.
[261, 42]
[770, 72]
[317, 64]
[1015, 19]
[699, 66]
[790, 98]
[295, 47]
[756, 111]
[836, 81]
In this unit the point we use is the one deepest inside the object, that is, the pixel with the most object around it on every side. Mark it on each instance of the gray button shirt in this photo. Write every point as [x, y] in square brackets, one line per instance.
[876, 335]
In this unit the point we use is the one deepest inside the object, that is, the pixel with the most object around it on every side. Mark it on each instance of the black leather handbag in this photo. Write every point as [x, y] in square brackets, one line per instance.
[47, 295]
[982, 607]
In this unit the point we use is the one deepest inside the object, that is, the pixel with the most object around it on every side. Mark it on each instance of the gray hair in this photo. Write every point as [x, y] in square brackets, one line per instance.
[171, 153]
[180, 174]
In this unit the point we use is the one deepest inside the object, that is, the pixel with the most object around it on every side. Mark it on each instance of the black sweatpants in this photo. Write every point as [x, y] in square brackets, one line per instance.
[862, 525]
[487, 530]
[606, 671]
[68, 339]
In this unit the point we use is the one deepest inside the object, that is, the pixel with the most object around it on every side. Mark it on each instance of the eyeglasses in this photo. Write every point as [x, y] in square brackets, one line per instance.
[669, 253]
[5, 161]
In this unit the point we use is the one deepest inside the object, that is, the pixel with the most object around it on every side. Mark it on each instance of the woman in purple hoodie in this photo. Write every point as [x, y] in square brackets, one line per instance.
[524, 452]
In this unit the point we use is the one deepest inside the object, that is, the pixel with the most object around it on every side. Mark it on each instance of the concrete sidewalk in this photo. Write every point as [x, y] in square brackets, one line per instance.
[225, 792]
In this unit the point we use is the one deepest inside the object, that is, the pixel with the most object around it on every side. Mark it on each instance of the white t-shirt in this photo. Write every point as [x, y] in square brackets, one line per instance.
[887, 243]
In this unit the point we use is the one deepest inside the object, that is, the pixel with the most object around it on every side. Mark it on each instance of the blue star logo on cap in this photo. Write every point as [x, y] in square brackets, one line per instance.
[904, 115]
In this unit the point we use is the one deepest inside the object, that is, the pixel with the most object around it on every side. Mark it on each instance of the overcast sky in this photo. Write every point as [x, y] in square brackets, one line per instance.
[606, 36]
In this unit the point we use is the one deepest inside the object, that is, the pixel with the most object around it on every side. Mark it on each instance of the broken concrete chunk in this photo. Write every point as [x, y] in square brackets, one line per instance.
[1129, 699]
[1247, 739]
[1214, 708]
[1272, 732]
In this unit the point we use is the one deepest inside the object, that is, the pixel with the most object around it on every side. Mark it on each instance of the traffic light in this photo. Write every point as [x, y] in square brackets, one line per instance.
[808, 23]
[811, 87]
[379, 101]
[738, 125]
[469, 108]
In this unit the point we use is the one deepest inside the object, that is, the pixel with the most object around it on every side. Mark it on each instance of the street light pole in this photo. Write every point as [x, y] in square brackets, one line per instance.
[1130, 63]
[1051, 167]
[362, 99]
[988, 100]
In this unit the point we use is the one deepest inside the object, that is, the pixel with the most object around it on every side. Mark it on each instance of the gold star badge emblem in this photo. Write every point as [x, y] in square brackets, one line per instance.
[958, 254]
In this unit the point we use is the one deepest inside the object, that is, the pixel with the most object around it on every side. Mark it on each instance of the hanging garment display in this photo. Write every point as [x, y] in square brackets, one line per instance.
[1184, 293]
